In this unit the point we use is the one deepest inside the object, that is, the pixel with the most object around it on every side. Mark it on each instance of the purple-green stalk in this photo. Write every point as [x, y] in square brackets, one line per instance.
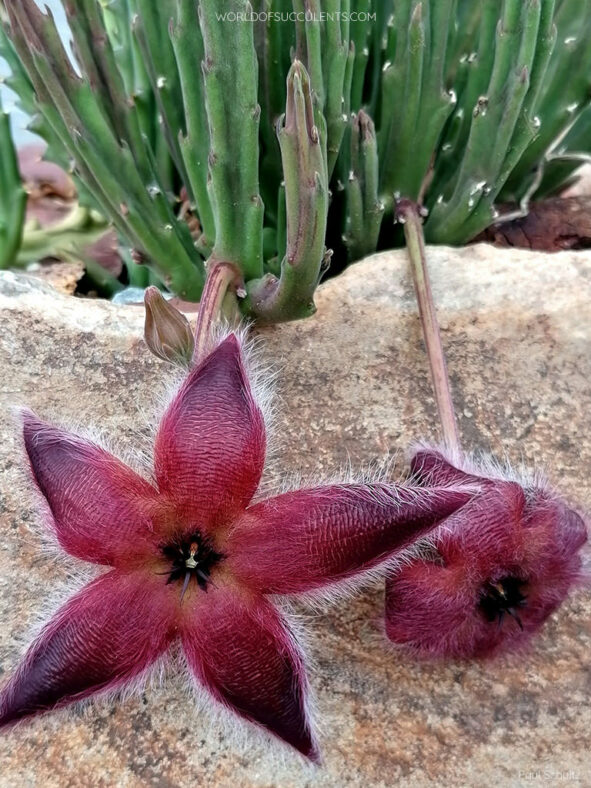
[408, 215]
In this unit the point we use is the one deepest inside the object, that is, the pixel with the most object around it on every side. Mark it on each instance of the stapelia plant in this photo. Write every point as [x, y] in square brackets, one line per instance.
[262, 133]
[503, 564]
[190, 559]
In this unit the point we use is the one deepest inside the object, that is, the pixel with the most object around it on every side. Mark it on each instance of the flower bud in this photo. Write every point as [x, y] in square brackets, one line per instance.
[167, 331]
[499, 567]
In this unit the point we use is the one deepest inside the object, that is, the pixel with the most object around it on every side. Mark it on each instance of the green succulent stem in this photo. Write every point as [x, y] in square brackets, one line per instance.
[13, 198]
[188, 47]
[291, 296]
[364, 207]
[166, 115]
[137, 210]
[495, 118]
[231, 84]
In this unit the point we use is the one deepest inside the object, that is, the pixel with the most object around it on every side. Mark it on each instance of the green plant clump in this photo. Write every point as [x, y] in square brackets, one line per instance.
[262, 134]
[13, 198]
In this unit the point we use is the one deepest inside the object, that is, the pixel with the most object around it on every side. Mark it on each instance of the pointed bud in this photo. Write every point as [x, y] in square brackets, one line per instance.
[167, 332]
[299, 112]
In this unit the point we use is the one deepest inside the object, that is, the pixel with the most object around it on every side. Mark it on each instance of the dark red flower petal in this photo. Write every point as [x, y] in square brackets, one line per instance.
[504, 563]
[565, 529]
[487, 530]
[101, 508]
[242, 651]
[430, 467]
[105, 635]
[552, 535]
[433, 610]
[210, 447]
[306, 539]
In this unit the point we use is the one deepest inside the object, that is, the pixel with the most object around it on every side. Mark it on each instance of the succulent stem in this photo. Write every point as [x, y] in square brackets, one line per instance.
[168, 115]
[194, 146]
[231, 86]
[306, 202]
[13, 199]
[364, 208]
[407, 213]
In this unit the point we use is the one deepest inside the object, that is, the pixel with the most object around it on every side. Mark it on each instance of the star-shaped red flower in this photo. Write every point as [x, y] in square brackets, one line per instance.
[193, 560]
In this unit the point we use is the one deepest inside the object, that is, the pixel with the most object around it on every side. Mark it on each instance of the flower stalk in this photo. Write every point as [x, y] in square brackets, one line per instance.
[408, 215]
[221, 277]
[501, 566]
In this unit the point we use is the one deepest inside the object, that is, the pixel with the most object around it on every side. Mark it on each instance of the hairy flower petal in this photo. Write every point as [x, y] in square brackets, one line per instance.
[503, 564]
[101, 509]
[426, 609]
[487, 529]
[432, 468]
[242, 651]
[306, 539]
[210, 447]
[105, 635]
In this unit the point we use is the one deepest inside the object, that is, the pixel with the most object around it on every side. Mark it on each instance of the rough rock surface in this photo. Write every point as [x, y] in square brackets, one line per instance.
[63, 277]
[354, 385]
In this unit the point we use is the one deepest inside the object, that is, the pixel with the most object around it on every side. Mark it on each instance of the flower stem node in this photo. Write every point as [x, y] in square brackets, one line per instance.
[166, 330]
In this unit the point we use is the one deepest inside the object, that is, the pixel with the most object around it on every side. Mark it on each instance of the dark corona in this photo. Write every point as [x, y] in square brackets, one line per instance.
[191, 557]
[503, 596]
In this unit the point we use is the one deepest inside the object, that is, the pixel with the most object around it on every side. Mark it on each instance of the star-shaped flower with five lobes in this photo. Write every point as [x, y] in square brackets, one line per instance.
[193, 560]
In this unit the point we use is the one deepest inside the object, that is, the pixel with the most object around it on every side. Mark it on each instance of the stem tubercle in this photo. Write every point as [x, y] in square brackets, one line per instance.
[220, 276]
[408, 214]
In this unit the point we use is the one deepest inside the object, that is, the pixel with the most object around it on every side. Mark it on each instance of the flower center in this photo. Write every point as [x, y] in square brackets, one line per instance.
[191, 557]
[503, 596]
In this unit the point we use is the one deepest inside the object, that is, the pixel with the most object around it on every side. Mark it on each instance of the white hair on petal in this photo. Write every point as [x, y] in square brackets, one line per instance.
[151, 678]
[136, 458]
[481, 463]
[172, 667]
[78, 575]
[75, 575]
[368, 483]
[300, 624]
[261, 378]
[41, 526]
[328, 596]
[241, 734]
[533, 480]
[261, 374]
[378, 471]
